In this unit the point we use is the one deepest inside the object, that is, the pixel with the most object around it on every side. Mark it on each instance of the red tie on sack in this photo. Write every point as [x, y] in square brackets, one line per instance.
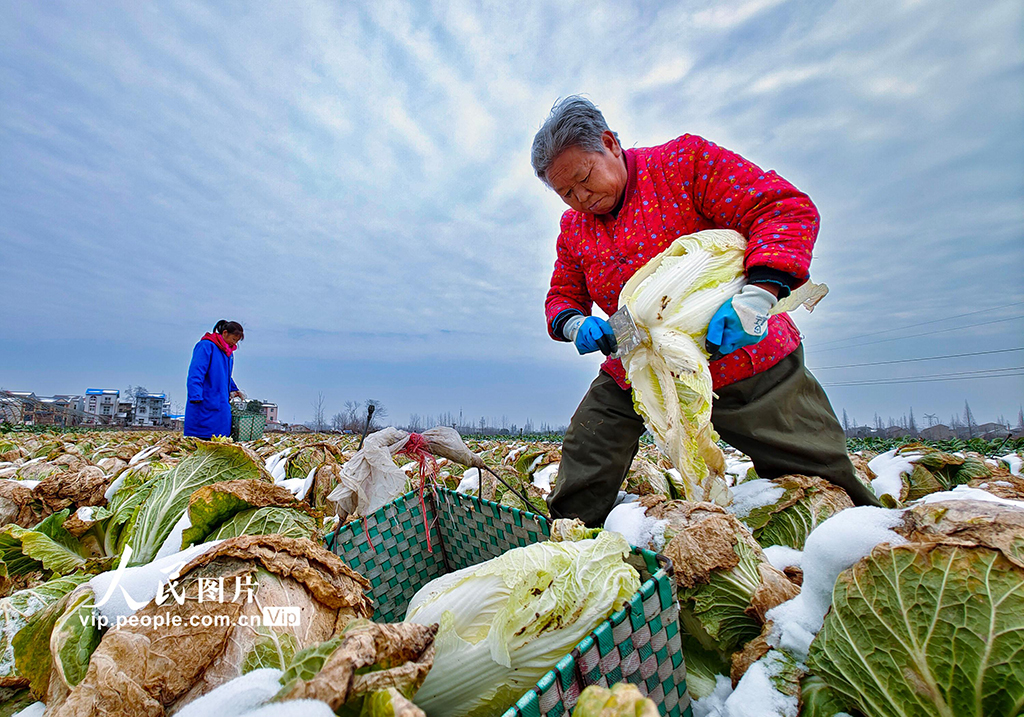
[417, 449]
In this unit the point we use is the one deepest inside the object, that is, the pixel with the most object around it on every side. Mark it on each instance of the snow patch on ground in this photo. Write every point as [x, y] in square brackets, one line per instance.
[631, 522]
[756, 696]
[542, 478]
[963, 492]
[831, 548]
[748, 497]
[783, 556]
[85, 513]
[248, 695]
[714, 704]
[738, 468]
[35, 709]
[889, 469]
[1013, 462]
[299, 487]
[470, 481]
[513, 454]
[138, 584]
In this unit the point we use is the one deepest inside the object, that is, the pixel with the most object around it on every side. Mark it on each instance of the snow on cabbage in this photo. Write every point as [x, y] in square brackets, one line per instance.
[791, 600]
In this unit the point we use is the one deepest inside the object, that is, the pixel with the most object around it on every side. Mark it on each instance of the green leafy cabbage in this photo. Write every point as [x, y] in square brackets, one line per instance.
[932, 627]
[169, 498]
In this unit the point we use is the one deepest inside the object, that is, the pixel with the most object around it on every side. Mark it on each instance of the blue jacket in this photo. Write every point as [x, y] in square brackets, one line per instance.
[208, 412]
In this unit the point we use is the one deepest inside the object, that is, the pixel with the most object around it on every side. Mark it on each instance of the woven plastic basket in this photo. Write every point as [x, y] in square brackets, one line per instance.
[247, 426]
[640, 643]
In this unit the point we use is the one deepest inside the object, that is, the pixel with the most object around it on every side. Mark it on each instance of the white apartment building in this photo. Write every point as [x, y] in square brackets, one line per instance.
[102, 403]
[149, 409]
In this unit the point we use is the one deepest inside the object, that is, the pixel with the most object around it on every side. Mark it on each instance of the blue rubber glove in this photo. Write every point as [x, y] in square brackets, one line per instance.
[740, 321]
[590, 334]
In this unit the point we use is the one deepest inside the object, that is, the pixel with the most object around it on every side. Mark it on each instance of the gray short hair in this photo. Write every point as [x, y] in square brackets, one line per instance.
[574, 122]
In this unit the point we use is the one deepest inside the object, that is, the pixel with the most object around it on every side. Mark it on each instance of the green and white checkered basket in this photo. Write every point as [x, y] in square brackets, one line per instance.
[640, 643]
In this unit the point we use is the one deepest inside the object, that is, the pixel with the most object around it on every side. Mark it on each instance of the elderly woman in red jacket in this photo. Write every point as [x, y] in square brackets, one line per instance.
[627, 206]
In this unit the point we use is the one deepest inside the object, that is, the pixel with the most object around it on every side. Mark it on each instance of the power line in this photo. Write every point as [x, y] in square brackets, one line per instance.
[922, 323]
[925, 358]
[964, 376]
[923, 333]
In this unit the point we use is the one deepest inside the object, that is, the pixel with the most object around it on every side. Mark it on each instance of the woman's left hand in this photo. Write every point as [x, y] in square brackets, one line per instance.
[238, 394]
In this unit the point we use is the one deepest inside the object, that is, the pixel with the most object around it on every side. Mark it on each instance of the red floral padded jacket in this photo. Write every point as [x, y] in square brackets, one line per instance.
[681, 187]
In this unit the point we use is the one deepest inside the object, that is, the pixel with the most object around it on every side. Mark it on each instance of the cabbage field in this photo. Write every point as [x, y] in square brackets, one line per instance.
[114, 546]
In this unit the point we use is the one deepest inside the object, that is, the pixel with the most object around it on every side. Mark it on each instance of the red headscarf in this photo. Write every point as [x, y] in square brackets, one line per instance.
[219, 340]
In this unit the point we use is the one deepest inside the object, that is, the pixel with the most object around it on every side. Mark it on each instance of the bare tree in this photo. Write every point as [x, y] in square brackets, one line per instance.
[415, 423]
[846, 423]
[352, 416]
[338, 421]
[911, 424]
[132, 392]
[969, 419]
[1020, 417]
[319, 423]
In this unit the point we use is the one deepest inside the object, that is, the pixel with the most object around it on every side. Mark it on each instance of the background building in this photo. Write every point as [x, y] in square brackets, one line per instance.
[149, 409]
[101, 403]
[270, 412]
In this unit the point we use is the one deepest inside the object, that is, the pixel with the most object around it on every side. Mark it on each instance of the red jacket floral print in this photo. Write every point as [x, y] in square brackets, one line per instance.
[681, 187]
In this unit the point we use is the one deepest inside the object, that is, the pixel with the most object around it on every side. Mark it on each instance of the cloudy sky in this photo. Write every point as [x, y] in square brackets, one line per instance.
[351, 181]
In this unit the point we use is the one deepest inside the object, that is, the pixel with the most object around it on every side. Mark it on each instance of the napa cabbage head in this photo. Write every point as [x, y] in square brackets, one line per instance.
[672, 299]
[505, 622]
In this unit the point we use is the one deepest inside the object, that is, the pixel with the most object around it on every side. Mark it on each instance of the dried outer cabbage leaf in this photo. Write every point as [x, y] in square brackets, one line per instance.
[177, 651]
[933, 626]
[725, 583]
[213, 505]
[672, 299]
[622, 700]
[1010, 487]
[169, 498]
[73, 489]
[369, 658]
[646, 478]
[288, 522]
[18, 504]
[807, 502]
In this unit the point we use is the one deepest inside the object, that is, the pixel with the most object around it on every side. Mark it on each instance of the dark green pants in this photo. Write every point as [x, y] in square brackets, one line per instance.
[780, 418]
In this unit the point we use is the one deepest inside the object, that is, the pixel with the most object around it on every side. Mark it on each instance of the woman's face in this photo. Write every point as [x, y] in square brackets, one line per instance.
[231, 339]
[591, 182]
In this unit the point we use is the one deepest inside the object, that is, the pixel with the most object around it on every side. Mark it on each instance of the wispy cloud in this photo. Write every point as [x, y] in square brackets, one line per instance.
[353, 180]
